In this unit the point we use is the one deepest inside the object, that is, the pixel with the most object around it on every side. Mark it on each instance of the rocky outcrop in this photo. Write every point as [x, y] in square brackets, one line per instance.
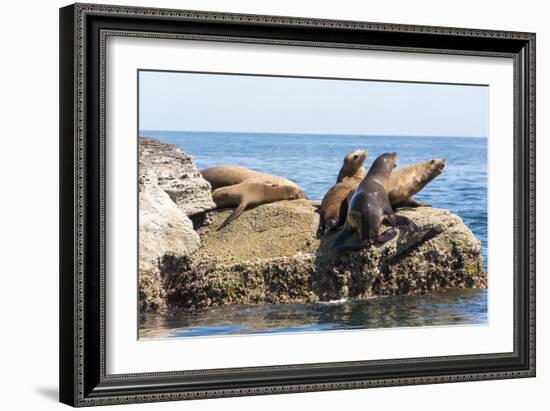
[170, 189]
[176, 175]
[163, 227]
[271, 255]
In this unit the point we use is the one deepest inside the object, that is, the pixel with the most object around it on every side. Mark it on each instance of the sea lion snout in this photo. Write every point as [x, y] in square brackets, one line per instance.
[439, 164]
[384, 164]
[356, 156]
[361, 155]
[395, 159]
[355, 160]
[294, 193]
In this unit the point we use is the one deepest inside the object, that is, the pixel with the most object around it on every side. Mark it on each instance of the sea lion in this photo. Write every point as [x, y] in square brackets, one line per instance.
[353, 162]
[252, 192]
[370, 207]
[407, 181]
[332, 214]
[223, 176]
[403, 184]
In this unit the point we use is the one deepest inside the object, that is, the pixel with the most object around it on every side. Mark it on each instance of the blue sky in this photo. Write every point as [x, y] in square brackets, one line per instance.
[235, 103]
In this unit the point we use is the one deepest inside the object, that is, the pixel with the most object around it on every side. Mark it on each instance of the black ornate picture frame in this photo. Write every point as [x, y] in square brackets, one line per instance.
[83, 30]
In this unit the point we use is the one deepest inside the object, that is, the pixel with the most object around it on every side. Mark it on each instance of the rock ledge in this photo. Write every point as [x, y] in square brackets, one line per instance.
[271, 255]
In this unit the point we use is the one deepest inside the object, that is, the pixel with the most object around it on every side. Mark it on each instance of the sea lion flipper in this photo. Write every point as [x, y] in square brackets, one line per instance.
[386, 236]
[411, 202]
[343, 213]
[338, 245]
[404, 221]
[320, 228]
[235, 214]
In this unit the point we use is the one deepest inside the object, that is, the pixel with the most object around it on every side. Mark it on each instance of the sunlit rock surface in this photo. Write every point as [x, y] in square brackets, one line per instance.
[271, 255]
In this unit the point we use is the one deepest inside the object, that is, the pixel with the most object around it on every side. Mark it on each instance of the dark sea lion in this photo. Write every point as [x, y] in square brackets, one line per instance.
[370, 207]
[332, 213]
[223, 176]
[405, 182]
[353, 162]
[252, 192]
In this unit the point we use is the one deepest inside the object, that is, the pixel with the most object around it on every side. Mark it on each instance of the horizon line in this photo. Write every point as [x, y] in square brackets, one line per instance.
[310, 133]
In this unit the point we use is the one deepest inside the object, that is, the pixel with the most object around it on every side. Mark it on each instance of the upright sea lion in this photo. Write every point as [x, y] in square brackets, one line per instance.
[353, 162]
[331, 211]
[252, 192]
[407, 181]
[403, 184]
[370, 207]
[223, 176]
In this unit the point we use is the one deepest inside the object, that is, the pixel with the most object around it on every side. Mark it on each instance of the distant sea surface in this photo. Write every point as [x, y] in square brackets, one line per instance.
[313, 161]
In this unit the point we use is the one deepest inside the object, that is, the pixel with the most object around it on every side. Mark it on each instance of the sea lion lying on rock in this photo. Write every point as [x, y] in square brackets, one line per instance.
[223, 176]
[252, 192]
[370, 207]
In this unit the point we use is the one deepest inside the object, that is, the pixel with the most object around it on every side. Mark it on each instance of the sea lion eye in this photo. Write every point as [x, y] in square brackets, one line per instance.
[433, 161]
[355, 157]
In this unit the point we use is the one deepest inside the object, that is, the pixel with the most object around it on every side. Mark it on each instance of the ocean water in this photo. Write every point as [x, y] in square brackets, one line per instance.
[313, 161]
[438, 308]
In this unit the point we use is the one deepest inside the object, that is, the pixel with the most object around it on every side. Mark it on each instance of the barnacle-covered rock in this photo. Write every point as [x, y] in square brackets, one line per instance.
[271, 255]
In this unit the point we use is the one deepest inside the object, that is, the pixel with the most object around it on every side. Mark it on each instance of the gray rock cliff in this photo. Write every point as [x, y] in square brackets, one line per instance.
[170, 189]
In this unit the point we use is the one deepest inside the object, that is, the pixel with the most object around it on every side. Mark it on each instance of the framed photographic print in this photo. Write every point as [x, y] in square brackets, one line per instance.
[262, 204]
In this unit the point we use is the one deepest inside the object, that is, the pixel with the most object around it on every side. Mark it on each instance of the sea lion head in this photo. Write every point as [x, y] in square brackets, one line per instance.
[384, 164]
[354, 160]
[431, 170]
[436, 166]
[291, 192]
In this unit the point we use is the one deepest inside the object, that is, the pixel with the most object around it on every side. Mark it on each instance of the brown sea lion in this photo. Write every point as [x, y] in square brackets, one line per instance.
[252, 192]
[370, 207]
[405, 182]
[223, 176]
[353, 162]
[332, 214]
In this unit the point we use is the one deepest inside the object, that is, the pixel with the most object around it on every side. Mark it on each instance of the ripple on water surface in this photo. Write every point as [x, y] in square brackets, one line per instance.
[437, 308]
